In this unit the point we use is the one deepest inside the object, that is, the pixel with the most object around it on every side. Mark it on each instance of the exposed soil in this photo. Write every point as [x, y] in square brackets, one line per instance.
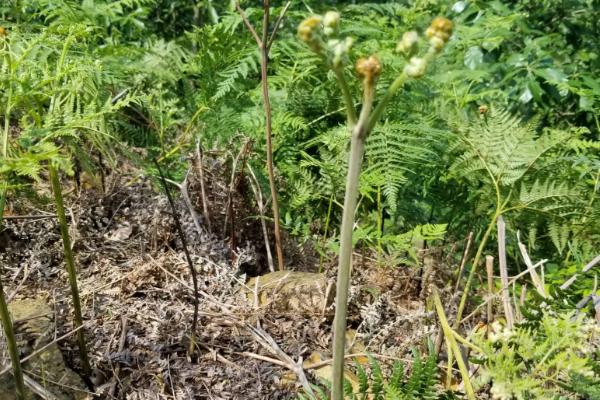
[132, 267]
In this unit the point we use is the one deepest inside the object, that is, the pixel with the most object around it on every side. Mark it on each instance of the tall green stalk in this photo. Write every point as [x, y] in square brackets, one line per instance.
[11, 342]
[64, 231]
[316, 31]
[5, 318]
[357, 147]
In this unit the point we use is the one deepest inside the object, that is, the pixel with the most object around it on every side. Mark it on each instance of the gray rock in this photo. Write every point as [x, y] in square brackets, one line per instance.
[34, 328]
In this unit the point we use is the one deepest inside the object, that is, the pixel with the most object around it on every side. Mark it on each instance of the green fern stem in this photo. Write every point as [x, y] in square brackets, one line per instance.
[389, 94]
[63, 56]
[387, 97]
[4, 312]
[346, 95]
[357, 147]
[9, 332]
[451, 340]
[64, 230]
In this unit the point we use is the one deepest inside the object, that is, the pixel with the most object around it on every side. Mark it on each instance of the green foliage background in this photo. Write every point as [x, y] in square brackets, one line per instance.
[506, 121]
[158, 74]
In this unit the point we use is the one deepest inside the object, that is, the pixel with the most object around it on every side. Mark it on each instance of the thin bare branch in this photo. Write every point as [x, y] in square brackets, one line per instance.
[463, 261]
[200, 167]
[277, 25]
[248, 24]
[508, 311]
[585, 269]
[186, 199]
[122, 342]
[261, 209]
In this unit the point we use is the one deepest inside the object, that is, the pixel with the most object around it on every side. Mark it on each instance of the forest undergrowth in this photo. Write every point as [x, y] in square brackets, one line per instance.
[383, 200]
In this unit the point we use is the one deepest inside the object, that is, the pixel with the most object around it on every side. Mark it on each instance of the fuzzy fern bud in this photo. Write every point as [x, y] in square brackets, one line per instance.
[409, 44]
[439, 32]
[340, 50]
[416, 67]
[309, 32]
[331, 23]
[369, 69]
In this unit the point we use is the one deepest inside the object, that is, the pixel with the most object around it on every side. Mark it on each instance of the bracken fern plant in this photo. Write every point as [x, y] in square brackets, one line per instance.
[421, 382]
[506, 162]
[544, 362]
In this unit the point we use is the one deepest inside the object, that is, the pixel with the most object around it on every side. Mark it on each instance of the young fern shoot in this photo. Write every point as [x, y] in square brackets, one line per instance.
[321, 35]
[68, 252]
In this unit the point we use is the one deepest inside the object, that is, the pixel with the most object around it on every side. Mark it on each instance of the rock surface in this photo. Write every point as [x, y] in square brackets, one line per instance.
[34, 328]
[291, 292]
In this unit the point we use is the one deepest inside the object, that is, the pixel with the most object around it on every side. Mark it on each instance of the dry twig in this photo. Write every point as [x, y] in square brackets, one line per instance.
[508, 311]
[122, 342]
[264, 45]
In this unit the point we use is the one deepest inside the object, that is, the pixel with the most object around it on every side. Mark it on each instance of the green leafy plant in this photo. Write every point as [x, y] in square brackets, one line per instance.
[420, 383]
[55, 103]
[321, 34]
[5, 317]
[264, 42]
[540, 363]
[504, 159]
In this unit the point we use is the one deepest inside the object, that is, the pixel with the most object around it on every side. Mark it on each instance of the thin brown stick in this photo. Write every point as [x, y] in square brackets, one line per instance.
[463, 260]
[190, 263]
[264, 358]
[264, 44]
[261, 210]
[277, 24]
[489, 266]
[220, 357]
[267, 341]
[508, 311]
[200, 168]
[186, 199]
[122, 342]
[38, 389]
[248, 24]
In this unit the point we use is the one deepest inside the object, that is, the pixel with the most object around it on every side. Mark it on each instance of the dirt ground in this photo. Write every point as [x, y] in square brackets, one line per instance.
[133, 274]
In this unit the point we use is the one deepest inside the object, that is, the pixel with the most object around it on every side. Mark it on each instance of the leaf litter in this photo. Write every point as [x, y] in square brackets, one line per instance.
[131, 267]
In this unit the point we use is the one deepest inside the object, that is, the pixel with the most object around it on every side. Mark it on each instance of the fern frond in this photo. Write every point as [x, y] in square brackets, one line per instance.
[242, 64]
[545, 195]
[395, 150]
[502, 147]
